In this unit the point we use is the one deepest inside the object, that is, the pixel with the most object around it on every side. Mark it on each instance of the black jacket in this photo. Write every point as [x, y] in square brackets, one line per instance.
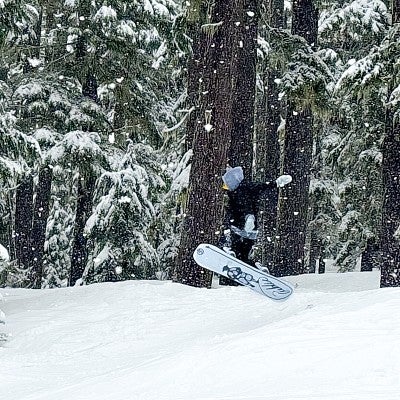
[246, 200]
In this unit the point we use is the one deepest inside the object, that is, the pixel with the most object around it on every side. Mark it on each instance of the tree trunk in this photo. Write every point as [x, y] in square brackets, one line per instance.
[370, 257]
[241, 150]
[211, 142]
[86, 67]
[390, 244]
[267, 141]
[390, 271]
[395, 11]
[305, 20]
[84, 206]
[196, 17]
[269, 111]
[293, 202]
[23, 221]
[294, 198]
[38, 235]
[315, 253]
[276, 13]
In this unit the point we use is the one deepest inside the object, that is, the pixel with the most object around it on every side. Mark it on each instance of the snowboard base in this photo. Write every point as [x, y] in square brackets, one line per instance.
[216, 260]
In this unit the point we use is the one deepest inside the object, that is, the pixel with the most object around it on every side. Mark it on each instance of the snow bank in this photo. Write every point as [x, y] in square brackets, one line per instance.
[336, 338]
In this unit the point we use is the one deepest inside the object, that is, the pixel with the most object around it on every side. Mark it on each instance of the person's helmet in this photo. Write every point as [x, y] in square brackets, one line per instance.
[232, 178]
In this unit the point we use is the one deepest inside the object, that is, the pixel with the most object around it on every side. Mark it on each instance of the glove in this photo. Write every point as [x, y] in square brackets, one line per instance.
[283, 180]
[250, 223]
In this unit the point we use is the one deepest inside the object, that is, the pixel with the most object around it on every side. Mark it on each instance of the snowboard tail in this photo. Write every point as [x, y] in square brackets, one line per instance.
[216, 260]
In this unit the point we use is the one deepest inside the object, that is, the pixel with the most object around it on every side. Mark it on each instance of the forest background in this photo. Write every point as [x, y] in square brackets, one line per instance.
[118, 118]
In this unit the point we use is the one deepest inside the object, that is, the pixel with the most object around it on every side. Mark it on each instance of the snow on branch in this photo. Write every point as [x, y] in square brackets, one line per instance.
[355, 18]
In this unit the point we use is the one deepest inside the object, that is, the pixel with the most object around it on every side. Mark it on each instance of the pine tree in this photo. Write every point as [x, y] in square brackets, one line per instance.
[352, 149]
[345, 187]
[170, 213]
[17, 152]
[59, 234]
[117, 231]
[82, 150]
[57, 105]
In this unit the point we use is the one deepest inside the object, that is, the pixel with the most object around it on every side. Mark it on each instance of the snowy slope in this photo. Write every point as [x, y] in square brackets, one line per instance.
[337, 338]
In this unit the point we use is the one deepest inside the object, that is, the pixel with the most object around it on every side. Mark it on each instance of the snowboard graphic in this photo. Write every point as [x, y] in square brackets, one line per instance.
[216, 260]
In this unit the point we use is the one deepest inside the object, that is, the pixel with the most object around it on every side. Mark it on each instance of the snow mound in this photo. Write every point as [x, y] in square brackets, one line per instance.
[336, 338]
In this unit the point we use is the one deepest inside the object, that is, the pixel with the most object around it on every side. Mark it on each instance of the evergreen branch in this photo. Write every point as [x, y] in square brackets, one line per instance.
[173, 128]
[211, 28]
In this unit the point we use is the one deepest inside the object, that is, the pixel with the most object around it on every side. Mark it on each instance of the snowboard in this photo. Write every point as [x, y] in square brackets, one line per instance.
[216, 260]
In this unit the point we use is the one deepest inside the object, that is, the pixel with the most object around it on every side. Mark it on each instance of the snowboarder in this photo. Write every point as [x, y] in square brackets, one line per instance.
[243, 208]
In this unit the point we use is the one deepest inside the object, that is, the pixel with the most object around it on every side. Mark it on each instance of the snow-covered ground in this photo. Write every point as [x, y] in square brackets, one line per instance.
[336, 338]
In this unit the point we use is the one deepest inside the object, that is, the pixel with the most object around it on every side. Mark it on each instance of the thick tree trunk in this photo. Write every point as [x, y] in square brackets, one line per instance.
[267, 156]
[293, 202]
[267, 141]
[390, 271]
[210, 146]
[269, 110]
[23, 221]
[196, 18]
[294, 198]
[38, 235]
[267, 151]
[305, 20]
[390, 243]
[241, 150]
[83, 210]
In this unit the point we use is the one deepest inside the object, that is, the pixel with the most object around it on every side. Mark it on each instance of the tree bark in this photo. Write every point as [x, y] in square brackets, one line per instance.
[390, 245]
[38, 235]
[241, 149]
[370, 256]
[276, 13]
[395, 11]
[86, 66]
[294, 198]
[86, 185]
[211, 141]
[390, 271]
[267, 140]
[269, 110]
[23, 221]
[315, 253]
[293, 202]
[305, 20]
[197, 16]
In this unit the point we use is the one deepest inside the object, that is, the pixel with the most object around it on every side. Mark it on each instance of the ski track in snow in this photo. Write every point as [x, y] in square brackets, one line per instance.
[336, 338]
